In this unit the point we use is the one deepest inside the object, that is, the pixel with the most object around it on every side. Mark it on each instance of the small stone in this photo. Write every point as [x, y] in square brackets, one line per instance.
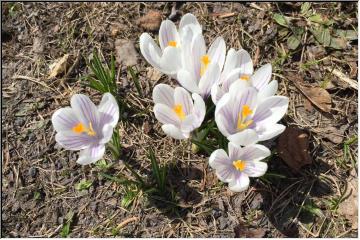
[223, 222]
[32, 172]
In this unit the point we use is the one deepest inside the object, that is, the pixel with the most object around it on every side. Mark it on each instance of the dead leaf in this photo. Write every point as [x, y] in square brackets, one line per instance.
[151, 21]
[153, 74]
[353, 67]
[335, 135]
[114, 30]
[125, 52]
[244, 231]
[293, 148]
[349, 207]
[38, 45]
[59, 66]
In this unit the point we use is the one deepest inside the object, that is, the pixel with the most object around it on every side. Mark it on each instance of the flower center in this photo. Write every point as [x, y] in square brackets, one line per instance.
[242, 122]
[178, 109]
[172, 43]
[80, 128]
[205, 61]
[245, 77]
[239, 165]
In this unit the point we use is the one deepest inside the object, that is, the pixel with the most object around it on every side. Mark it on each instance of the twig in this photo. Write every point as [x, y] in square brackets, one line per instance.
[129, 220]
[20, 77]
[343, 77]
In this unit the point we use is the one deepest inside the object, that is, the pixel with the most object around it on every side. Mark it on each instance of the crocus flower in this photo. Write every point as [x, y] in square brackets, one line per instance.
[85, 127]
[239, 165]
[169, 57]
[202, 68]
[245, 77]
[244, 119]
[175, 109]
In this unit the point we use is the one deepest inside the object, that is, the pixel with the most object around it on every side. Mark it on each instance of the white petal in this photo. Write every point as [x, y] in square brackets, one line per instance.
[198, 50]
[187, 81]
[255, 169]
[254, 152]
[217, 52]
[234, 151]
[262, 76]
[216, 93]
[151, 52]
[166, 115]
[268, 91]
[174, 131]
[270, 131]
[241, 183]
[171, 60]
[189, 123]
[231, 62]
[91, 154]
[210, 77]
[188, 19]
[107, 132]
[74, 141]
[85, 109]
[64, 119]
[243, 138]
[271, 110]
[167, 33]
[199, 108]
[164, 94]
[241, 97]
[183, 97]
[109, 109]
[245, 62]
[223, 166]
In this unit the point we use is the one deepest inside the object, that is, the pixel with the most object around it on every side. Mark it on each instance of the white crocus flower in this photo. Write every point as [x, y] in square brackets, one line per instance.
[243, 75]
[175, 109]
[201, 68]
[85, 127]
[239, 165]
[245, 119]
[168, 58]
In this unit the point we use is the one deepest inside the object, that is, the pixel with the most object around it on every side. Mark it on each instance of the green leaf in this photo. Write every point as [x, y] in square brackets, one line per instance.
[293, 42]
[128, 198]
[281, 20]
[313, 209]
[317, 18]
[305, 7]
[338, 43]
[83, 185]
[347, 34]
[322, 35]
[66, 227]
[135, 78]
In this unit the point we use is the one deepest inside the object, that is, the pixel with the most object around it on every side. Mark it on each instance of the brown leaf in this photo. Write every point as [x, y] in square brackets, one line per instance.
[349, 207]
[59, 66]
[318, 96]
[335, 135]
[244, 231]
[125, 52]
[293, 148]
[151, 21]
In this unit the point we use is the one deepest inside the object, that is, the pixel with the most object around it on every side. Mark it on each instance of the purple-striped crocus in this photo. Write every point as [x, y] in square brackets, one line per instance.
[239, 165]
[175, 109]
[169, 57]
[245, 119]
[86, 127]
[245, 77]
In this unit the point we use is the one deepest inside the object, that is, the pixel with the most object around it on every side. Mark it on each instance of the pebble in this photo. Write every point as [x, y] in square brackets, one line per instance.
[32, 172]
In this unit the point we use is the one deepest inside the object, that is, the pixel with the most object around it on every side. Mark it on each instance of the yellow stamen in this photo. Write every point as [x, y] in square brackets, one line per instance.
[178, 109]
[245, 77]
[172, 43]
[245, 112]
[205, 61]
[239, 165]
[80, 128]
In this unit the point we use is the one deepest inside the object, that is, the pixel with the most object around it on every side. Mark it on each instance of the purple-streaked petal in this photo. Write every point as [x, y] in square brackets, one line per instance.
[245, 62]
[255, 169]
[255, 152]
[266, 132]
[109, 110]
[241, 183]
[234, 151]
[64, 119]
[223, 166]
[210, 77]
[268, 91]
[91, 154]
[174, 132]
[107, 132]
[167, 33]
[198, 50]
[166, 115]
[187, 81]
[74, 141]
[245, 137]
[189, 123]
[199, 108]
[150, 51]
[231, 62]
[183, 97]
[164, 94]
[241, 97]
[271, 110]
[262, 76]
[216, 93]
[85, 109]
[217, 52]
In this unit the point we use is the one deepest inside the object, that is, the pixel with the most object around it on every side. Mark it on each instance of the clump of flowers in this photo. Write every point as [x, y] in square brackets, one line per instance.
[246, 108]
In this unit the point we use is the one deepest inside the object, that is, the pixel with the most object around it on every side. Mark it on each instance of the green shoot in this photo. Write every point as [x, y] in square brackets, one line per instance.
[135, 78]
[159, 173]
[83, 185]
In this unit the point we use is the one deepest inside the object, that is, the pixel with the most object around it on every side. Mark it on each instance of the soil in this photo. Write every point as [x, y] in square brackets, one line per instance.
[39, 177]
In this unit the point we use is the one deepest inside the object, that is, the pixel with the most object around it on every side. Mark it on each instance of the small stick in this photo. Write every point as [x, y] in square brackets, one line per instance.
[132, 219]
[343, 77]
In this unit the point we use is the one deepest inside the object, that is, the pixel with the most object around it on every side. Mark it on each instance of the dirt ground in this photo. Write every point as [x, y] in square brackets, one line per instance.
[39, 194]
